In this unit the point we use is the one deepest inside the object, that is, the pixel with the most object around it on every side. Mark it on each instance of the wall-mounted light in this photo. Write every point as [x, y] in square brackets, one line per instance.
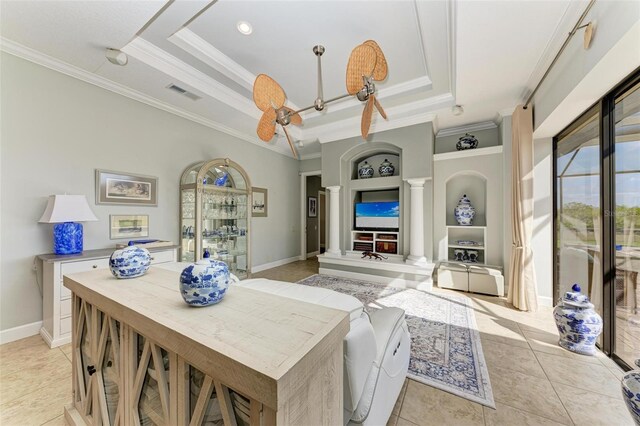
[457, 110]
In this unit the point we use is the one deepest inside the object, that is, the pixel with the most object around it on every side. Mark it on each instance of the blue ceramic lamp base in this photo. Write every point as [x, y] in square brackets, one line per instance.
[67, 238]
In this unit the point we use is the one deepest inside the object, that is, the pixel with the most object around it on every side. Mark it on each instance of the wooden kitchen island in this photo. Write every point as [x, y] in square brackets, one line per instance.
[142, 356]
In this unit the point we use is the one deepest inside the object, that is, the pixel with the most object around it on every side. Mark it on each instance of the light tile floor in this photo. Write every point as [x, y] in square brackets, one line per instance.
[534, 381]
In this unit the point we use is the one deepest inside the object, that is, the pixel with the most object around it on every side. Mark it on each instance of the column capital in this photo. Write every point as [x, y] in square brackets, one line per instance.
[333, 188]
[416, 182]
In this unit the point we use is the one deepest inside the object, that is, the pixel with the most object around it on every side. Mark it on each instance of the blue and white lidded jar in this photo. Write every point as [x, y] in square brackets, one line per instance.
[631, 392]
[386, 168]
[205, 282]
[130, 262]
[464, 212]
[578, 323]
[365, 171]
[466, 142]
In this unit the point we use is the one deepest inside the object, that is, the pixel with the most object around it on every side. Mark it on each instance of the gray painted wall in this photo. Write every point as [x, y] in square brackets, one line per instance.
[486, 138]
[612, 19]
[313, 186]
[416, 143]
[310, 165]
[57, 130]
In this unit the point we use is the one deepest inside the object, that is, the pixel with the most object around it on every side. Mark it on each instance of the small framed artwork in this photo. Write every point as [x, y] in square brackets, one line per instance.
[125, 188]
[312, 207]
[259, 203]
[128, 226]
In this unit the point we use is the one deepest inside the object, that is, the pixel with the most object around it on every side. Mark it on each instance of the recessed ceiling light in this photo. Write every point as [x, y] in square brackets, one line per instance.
[244, 27]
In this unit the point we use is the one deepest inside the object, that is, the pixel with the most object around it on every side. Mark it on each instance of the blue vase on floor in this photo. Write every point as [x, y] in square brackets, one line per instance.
[67, 238]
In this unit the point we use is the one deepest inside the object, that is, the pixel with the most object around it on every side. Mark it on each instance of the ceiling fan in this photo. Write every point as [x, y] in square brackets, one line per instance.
[366, 65]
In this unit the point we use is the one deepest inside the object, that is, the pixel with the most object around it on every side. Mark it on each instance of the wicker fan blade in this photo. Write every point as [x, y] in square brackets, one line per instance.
[267, 125]
[380, 71]
[293, 150]
[296, 120]
[267, 93]
[366, 117]
[361, 62]
[379, 107]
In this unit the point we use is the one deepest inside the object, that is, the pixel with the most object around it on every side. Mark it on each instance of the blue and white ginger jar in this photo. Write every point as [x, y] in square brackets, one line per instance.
[205, 282]
[466, 142]
[464, 212]
[130, 262]
[386, 168]
[365, 171]
[631, 392]
[579, 325]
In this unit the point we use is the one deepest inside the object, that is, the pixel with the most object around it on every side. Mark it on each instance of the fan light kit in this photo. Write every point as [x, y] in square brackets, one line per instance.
[366, 65]
[244, 27]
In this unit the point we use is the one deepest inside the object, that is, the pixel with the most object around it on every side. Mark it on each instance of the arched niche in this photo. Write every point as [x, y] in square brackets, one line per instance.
[474, 185]
[374, 153]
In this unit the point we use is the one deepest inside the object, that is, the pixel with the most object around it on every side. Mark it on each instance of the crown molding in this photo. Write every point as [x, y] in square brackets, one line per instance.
[485, 125]
[31, 55]
[157, 58]
[196, 46]
[311, 156]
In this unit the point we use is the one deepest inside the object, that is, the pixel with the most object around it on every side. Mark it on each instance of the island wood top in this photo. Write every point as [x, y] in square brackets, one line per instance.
[256, 342]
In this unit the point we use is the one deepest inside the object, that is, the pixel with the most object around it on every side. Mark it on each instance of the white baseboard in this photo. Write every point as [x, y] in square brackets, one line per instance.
[265, 266]
[20, 332]
[313, 254]
[545, 301]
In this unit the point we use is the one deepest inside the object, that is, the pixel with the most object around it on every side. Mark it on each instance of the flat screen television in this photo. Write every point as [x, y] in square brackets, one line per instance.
[381, 216]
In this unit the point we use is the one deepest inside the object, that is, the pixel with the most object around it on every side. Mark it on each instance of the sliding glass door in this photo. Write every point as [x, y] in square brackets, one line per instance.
[578, 206]
[626, 199]
[597, 215]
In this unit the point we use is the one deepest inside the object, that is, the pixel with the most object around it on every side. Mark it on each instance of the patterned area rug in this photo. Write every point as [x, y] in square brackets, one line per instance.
[445, 343]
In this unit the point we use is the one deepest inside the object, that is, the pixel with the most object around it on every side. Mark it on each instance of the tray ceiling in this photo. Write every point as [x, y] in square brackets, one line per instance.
[195, 45]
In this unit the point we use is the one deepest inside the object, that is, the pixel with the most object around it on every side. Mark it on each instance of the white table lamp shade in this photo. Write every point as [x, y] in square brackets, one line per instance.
[67, 208]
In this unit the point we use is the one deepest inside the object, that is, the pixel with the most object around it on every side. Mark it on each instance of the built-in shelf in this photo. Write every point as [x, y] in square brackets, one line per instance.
[490, 150]
[466, 247]
[382, 242]
[376, 183]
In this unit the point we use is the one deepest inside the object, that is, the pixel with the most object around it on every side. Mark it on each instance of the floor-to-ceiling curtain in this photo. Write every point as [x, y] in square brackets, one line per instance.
[522, 281]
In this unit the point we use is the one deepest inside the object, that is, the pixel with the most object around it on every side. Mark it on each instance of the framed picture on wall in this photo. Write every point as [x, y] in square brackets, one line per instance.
[312, 207]
[125, 188]
[259, 202]
[128, 226]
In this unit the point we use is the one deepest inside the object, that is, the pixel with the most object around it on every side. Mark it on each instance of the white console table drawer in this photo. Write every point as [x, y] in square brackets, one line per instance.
[65, 308]
[83, 266]
[56, 298]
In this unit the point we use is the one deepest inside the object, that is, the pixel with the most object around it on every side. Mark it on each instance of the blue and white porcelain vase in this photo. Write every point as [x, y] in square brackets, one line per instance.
[579, 325]
[205, 282]
[130, 262]
[365, 171]
[631, 392]
[466, 142]
[464, 212]
[386, 168]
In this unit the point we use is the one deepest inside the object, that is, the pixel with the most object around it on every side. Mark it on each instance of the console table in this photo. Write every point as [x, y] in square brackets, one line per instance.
[56, 300]
[141, 355]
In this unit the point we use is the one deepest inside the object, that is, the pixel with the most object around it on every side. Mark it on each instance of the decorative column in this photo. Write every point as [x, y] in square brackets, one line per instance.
[416, 230]
[334, 221]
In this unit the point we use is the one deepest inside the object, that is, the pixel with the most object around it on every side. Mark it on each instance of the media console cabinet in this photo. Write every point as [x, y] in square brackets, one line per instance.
[142, 356]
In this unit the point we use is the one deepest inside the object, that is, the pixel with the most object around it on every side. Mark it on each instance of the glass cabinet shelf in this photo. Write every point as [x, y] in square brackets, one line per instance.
[214, 214]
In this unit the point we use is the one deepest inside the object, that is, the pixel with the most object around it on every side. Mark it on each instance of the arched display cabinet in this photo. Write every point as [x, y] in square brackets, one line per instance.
[214, 214]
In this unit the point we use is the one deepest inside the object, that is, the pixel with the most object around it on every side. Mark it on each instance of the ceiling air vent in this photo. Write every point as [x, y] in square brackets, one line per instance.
[184, 92]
